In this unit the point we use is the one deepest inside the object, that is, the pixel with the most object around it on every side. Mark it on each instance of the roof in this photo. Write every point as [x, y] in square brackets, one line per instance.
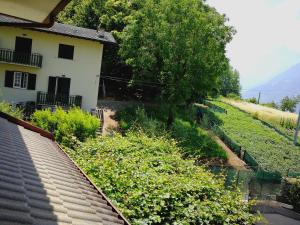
[39, 183]
[36, 12]
[64, 29]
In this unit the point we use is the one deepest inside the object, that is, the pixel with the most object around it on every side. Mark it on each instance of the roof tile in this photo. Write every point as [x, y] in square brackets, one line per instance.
[39, 184]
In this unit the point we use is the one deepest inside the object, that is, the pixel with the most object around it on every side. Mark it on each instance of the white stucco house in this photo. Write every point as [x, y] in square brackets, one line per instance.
[59, 65]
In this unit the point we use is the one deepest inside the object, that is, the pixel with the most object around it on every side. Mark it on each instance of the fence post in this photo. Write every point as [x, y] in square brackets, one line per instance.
[297, 130]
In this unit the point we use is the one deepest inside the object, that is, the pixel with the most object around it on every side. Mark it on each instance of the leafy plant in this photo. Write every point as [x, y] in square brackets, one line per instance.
[68, 126]
[289, 104]
[154, 39]
[9, 109]
[151, 184]
[272, 151]
[291, 192]
[194, 141]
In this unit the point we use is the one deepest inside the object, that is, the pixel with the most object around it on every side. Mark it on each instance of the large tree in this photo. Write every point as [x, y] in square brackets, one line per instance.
[178, 44]
[229, 82]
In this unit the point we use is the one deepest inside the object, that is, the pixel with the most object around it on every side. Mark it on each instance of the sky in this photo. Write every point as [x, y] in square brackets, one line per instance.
[267, 41]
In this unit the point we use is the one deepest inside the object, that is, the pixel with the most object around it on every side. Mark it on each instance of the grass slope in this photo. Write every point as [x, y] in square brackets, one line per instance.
[195, 142]
[283, 122]
[271, 150]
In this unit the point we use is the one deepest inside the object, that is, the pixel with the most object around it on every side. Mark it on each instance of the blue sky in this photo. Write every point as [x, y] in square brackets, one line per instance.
[267, 40]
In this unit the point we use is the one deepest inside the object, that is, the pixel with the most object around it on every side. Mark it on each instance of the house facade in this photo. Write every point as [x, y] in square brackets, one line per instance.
[51, 66]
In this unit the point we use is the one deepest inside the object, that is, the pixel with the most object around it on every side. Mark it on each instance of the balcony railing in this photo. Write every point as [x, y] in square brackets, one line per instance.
[30, 59]
[44, 98]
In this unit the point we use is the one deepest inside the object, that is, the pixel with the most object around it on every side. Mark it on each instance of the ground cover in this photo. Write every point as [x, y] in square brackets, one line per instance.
[272, 151]
[194, 141]
[283, 122]
[150, 182]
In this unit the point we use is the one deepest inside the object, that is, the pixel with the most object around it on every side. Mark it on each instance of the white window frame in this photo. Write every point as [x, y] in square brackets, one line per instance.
[20, 80]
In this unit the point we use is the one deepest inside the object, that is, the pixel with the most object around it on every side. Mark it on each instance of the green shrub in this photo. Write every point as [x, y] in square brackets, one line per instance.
[273, 152]
[291, 192]
[68, 127]
[194, 141]
[151, 184]
[234, 96]
[252, 100]
[13, 111]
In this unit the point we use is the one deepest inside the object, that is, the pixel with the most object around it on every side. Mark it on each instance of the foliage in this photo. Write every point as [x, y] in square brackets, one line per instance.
[9, 109]
[82, 13]
[234, 96]
[283, 122]
[67, 126]
[229, 83]
[151, 184]
[289, 103]
[271, 105]
[187, 32]
[194, 141]
[252, 100]
[291, 192]
[272, 151]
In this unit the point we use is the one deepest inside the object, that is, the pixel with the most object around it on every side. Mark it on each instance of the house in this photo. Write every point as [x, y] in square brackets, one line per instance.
[40, 184]
[59, 65]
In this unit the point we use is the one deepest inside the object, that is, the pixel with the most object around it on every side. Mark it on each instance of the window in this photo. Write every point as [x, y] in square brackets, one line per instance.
[66, 51]
[16, 79]
[20, 80]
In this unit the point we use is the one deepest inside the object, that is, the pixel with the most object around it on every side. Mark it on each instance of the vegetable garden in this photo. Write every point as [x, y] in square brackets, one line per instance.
[264, 147]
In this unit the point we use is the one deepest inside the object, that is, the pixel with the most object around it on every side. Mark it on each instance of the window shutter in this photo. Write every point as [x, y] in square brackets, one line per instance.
[9, 79]
[31, 81]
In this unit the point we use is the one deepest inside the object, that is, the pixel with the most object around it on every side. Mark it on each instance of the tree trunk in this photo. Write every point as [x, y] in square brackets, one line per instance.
[170, 117]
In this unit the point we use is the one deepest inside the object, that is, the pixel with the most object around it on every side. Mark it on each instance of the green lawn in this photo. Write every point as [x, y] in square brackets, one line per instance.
[272, 151]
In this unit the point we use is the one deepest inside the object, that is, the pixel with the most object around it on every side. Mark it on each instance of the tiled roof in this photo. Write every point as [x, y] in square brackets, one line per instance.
[40, 185]
[66, 30]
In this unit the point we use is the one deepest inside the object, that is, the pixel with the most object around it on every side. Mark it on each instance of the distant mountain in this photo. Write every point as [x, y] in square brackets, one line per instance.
[284, 84]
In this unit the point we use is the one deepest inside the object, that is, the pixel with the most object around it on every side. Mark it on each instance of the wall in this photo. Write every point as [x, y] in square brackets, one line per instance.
[84, 69]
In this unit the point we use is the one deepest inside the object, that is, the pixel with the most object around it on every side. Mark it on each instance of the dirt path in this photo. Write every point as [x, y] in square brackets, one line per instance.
[233, 159]
[110, 124]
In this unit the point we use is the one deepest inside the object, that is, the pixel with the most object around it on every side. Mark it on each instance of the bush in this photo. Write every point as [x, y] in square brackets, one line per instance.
[13, 111]
[291, 192]
[234, 96]
[67, 126]
[151, 184]
[252, 100]
[194, 141]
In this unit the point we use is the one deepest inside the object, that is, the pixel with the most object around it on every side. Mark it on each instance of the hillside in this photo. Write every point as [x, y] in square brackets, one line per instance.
[284, 84]
[270, 150]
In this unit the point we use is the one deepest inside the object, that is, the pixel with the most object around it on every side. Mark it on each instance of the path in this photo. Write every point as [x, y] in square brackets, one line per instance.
[110, 108]
[110, 124]
[233, 160]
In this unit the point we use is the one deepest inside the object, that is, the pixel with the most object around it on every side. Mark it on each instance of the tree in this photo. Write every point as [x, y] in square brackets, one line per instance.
[83, 13]
[229, 82]
[178, 44]
[289, 103]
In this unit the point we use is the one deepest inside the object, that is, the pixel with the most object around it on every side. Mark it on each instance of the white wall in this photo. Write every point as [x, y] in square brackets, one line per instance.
[84, 69]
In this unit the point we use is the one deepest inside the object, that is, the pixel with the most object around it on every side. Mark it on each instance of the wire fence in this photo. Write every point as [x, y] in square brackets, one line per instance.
[249, 182]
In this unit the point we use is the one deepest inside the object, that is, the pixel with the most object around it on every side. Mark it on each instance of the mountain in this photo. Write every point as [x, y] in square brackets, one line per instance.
[284, 84]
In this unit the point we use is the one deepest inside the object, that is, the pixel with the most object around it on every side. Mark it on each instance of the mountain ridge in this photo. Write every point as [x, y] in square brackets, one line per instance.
[284, 84]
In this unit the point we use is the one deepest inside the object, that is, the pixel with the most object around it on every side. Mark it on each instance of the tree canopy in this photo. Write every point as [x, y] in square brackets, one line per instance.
[289, 103]
[229, 82]
[178, 44]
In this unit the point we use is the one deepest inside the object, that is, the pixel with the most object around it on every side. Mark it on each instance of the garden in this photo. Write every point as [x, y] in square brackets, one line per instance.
[273, 152]
[283, 122]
